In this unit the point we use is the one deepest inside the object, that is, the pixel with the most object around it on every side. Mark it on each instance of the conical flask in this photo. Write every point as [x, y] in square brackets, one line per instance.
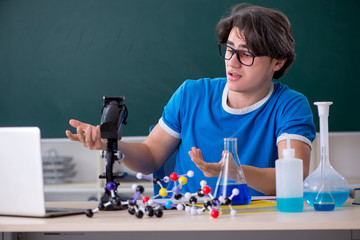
[231, 176]
[334, 182]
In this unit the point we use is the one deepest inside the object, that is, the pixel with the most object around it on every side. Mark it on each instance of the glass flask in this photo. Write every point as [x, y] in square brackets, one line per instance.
[333, 182]
[231, 176]
[324, 200]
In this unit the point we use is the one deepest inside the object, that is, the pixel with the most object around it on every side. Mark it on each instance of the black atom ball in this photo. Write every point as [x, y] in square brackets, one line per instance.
[89, 213]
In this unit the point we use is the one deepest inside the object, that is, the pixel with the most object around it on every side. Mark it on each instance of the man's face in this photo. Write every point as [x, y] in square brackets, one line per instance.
[248, 79]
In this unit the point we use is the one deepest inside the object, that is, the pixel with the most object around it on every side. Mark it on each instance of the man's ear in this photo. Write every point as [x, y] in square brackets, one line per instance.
[279, 63]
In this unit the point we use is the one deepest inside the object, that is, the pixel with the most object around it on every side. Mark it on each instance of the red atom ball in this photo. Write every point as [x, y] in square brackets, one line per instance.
[145, 199]
[206, 190]
[173, 176]
[214, 213]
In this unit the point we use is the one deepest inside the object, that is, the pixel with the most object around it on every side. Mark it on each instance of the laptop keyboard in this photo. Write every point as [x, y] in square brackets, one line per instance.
[53, 210]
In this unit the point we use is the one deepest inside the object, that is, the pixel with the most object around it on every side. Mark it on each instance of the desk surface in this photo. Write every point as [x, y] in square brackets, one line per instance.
[343, 218]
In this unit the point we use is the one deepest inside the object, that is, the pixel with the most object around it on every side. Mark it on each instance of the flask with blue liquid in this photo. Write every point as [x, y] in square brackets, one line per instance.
[231, 178]
[325, 188]
[289, 181]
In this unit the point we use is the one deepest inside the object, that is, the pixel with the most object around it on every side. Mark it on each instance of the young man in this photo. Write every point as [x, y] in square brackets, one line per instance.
[257, 46]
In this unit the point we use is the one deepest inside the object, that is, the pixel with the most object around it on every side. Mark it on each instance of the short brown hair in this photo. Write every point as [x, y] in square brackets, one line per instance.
[266, 31]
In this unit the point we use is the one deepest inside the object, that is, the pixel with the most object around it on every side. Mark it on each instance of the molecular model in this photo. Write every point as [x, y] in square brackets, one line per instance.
[149, 207]
[152, 207]
[175, 192]
[211, 203]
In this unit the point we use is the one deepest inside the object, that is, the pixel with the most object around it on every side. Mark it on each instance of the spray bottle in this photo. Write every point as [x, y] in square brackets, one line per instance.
[289, 181]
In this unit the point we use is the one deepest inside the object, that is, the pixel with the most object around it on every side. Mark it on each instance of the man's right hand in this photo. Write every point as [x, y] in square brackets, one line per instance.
[87, 134]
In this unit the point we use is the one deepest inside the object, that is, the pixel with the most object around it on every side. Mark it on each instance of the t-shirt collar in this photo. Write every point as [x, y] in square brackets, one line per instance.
[247, 109]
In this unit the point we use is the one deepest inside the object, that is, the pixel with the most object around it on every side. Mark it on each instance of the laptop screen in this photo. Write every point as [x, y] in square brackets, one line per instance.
[21, 175]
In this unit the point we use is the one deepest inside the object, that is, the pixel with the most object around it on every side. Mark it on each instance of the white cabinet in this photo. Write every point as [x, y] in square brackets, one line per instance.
[88, 166]
[344, 153]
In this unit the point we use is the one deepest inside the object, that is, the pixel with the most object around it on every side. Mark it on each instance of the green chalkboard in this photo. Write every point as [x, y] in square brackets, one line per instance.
[59, 58]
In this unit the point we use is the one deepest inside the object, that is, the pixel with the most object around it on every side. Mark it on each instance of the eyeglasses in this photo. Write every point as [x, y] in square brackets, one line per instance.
[246, 58]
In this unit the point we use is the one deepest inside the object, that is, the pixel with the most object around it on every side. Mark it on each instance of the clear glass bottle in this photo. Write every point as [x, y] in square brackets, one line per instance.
[335, 183]
[231, 176]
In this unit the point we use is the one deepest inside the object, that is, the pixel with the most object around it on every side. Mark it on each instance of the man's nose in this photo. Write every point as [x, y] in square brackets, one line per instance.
[234, 61]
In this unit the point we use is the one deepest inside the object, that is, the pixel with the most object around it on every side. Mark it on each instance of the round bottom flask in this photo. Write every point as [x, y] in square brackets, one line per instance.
[335, 183]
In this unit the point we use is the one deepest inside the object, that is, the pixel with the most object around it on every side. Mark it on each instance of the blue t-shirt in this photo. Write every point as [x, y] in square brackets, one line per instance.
[198, 114]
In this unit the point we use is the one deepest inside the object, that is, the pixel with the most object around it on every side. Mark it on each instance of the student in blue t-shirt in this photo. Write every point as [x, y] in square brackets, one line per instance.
[257, 46]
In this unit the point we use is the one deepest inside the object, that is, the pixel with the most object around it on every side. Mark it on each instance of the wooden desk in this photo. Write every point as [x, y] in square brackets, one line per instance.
[344, 220]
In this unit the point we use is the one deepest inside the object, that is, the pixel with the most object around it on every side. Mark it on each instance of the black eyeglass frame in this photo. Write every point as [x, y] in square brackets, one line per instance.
[234, 51]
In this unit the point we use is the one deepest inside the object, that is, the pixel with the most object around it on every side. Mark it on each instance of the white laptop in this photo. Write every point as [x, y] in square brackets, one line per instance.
[21, 175]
